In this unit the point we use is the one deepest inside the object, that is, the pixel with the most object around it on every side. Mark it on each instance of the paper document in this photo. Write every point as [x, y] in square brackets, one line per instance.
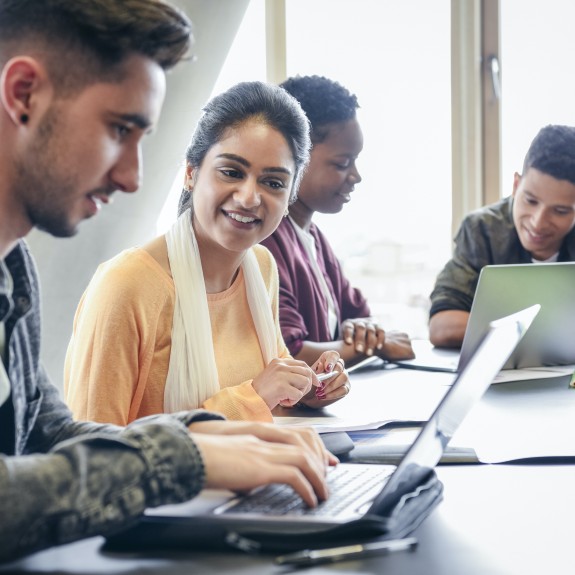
[538, 447]
[522, 420]
[389, 445]
[330, 424]
[528, 373]
[373, 402]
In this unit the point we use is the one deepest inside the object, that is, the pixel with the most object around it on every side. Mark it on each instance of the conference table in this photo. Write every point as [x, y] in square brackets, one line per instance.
[505, 518]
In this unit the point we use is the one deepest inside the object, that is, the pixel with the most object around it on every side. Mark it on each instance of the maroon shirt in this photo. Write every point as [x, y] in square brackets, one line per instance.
[303, 312]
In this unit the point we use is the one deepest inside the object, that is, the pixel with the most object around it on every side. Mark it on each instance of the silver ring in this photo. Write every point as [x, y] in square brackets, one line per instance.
[341, 362]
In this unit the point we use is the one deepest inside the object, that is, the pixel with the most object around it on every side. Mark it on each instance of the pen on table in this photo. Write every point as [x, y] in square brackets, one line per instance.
[363, 363]
[349, 552]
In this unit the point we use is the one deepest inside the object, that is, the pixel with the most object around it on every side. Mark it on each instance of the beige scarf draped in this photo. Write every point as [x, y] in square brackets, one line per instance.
[192, 373]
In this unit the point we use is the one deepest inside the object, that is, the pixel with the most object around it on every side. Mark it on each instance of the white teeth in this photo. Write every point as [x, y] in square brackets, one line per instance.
[242, 219]
[97, 201]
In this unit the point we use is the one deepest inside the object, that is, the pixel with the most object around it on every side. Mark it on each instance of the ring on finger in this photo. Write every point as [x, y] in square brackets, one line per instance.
[341, 362]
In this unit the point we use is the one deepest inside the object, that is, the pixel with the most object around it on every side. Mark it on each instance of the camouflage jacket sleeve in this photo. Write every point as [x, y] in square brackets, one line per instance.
[96, 483]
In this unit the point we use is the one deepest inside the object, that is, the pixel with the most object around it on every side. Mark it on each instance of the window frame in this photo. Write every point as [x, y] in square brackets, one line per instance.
[476, 107]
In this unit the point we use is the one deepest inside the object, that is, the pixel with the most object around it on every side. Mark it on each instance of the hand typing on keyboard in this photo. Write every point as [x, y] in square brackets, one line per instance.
[257, 454]
[353, 488]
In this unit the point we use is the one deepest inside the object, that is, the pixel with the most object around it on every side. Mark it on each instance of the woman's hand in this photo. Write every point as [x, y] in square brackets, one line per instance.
[329, 390]
[284, 382]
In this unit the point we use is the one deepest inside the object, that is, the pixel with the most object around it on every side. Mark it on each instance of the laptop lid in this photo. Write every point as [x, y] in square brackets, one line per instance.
[424, 454]
[497, 344]
[505, 289]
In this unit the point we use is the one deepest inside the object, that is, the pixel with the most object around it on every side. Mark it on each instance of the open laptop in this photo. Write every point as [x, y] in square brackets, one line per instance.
[503, 290]
[365, 489]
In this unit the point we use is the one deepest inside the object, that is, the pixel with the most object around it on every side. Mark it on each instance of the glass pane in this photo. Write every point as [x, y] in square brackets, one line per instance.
[394, 236]
[246, 59]
[538, 84]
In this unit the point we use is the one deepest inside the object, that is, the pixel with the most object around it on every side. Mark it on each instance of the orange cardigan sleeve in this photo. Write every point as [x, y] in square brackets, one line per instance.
[239, 402]
[109, 357]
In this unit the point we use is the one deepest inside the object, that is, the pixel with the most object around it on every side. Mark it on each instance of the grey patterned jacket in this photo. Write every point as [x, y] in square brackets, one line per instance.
[62, 480]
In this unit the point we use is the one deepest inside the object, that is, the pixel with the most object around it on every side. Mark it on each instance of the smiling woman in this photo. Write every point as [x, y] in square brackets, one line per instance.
[385, 238]
[191, 317]
[240, 194]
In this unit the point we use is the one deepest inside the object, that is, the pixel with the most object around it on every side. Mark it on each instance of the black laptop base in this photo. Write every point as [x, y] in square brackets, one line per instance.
[156, 533]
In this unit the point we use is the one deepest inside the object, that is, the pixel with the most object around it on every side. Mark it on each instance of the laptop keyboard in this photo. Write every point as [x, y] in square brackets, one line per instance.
[349, 486]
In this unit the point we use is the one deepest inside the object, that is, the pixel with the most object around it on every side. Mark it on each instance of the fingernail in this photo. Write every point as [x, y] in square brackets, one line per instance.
[379, 345]
[320, 394]
[359, 347]
[369, 352]
[329, 367]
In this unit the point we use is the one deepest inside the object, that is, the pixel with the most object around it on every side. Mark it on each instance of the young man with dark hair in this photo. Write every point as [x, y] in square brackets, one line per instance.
[81, 83]
[534, 224]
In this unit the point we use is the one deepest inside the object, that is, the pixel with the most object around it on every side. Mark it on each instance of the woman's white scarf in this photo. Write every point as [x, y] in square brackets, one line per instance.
[192, 373]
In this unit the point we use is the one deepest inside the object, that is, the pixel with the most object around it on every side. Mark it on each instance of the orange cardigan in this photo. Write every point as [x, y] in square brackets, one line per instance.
[117, 360]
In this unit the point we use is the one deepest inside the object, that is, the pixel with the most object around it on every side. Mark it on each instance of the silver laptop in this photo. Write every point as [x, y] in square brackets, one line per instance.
[356, 489]
[503, 290]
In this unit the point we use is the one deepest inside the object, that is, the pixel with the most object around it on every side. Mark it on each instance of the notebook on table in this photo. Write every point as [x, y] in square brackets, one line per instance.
[357, 492]
[503, 290]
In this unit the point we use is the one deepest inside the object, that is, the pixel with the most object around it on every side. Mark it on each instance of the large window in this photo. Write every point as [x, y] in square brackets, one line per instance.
[396, 233]
[538, 84]
[395, 55]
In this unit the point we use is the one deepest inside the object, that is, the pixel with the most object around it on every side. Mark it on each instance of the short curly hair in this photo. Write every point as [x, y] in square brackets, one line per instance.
[323, 100]
[552, 152]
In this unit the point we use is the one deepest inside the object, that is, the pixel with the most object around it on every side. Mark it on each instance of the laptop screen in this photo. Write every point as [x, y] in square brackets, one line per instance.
[505, 289]
[498, 343]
